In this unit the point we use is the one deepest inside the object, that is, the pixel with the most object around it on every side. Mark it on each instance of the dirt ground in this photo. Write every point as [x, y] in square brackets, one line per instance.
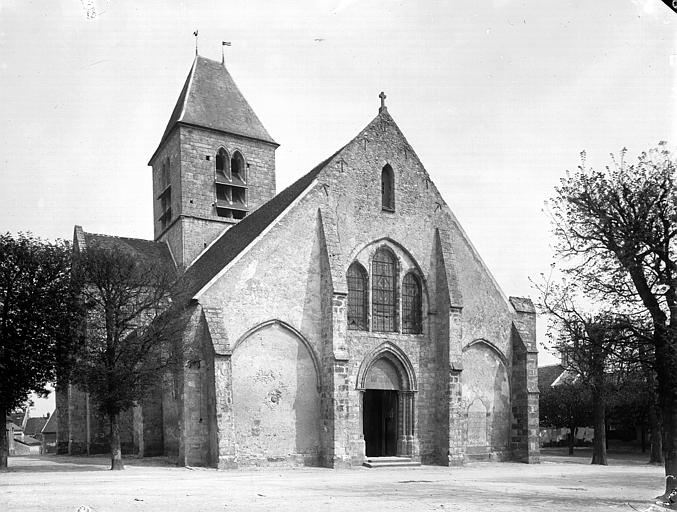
[559, 483]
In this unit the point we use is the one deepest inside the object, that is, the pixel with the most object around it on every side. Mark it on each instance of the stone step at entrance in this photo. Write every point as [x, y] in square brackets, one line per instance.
[389, 462]
[478, 457]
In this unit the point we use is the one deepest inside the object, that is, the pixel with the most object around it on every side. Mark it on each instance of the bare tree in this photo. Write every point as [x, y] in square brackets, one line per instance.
[594, 347]
[617, 228]
[128, 331]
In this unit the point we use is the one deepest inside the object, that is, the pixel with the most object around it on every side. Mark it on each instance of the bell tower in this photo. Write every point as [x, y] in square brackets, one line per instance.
[215, 163]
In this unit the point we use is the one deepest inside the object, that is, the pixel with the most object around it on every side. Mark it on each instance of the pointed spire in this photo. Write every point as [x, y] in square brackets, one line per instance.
[211, 99]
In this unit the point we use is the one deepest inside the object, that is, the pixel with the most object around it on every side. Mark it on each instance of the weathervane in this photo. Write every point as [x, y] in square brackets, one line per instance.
[195, 34]
[223, 58]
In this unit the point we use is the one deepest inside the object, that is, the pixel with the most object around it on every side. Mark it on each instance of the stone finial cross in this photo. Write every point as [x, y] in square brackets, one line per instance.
[383, 99]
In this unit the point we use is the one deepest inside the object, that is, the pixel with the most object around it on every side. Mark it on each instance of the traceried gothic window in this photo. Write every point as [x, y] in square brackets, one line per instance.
[411, 304]
[357, 297]
[383, 291]
[387, 189]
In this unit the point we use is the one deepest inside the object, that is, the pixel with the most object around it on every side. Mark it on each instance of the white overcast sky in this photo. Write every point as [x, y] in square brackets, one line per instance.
[498, 98]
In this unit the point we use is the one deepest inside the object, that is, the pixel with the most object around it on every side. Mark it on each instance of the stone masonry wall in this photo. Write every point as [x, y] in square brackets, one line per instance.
[280, 278]
[198, 193]
[525, 413]
[195, 221]
[63, 433]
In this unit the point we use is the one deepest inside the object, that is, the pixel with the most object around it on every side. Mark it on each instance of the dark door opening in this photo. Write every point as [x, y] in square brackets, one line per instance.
[380, 422]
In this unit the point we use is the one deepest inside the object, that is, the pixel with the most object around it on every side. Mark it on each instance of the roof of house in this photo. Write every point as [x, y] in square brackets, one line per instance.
[10, 424]
[27, 440]
[143, 249]
[17, 418]
[34, 426]
[211, 99]
[52, 424]
[548, 374]
[233, 241]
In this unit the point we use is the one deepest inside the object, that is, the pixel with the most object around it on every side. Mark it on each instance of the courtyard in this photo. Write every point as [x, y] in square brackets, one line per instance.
[559, 483]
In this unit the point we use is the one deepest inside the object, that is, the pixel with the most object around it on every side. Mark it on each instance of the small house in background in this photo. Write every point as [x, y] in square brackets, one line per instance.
[11, 429]
[25, 434]
[27, 445]
[549, 376]
[33, 426]
[48, 436]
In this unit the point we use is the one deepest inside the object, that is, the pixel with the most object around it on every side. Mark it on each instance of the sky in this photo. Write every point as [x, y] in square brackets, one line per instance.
[498, 98]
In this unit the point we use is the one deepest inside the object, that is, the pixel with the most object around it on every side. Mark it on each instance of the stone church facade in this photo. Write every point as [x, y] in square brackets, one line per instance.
[345, 318]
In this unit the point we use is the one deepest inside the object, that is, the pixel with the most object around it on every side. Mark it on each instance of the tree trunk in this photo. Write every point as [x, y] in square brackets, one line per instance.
[4, 441]
[656, 456]
[643, 436]
[666, 375]
[670, 447]
[572, 439]
[598, 414]
[115, 451]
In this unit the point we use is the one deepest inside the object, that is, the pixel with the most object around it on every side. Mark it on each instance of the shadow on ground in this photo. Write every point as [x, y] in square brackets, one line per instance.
[66, 463]
[583, 455]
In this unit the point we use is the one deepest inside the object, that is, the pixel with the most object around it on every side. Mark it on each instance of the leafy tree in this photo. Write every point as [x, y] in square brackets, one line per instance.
[631, 401]
[566, 405]
[37, 313]
[595, 347]
[127, 330]
[618, 227]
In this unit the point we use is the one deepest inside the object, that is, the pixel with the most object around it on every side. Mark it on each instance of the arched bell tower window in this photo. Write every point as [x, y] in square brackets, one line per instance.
[222, 163]
[411, 304]
[357, 297]
[237, 167]
[231, 185]
[165, 196]
[383, 291]
[387, 189]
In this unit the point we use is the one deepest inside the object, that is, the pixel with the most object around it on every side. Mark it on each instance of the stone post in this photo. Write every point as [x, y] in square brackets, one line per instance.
[411, 446]
[225, 422]
[359, 447]
[62, 434]
[78, 419]
[402, 425]
[454, 393]
[525, 429]
[340, 383]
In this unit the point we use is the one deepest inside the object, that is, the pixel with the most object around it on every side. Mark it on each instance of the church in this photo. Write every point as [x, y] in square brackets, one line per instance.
[344, 321]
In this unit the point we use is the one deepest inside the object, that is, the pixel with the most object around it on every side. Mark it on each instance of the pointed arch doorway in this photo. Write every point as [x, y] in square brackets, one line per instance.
[380, 422]
[387, 413]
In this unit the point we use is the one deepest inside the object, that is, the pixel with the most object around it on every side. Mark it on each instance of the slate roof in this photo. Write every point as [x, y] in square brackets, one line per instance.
[52, 425]
[237, 238]
[27, 440]
[17, 418]
[143, 249]
[211, 99]
[9, 423]
[548, 374]
[34, 426]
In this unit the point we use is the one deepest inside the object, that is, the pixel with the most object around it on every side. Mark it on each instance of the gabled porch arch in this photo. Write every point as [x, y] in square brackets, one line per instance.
[387, 385]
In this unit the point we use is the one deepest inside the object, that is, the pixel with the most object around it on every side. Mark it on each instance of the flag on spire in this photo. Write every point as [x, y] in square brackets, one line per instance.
[223, 57]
